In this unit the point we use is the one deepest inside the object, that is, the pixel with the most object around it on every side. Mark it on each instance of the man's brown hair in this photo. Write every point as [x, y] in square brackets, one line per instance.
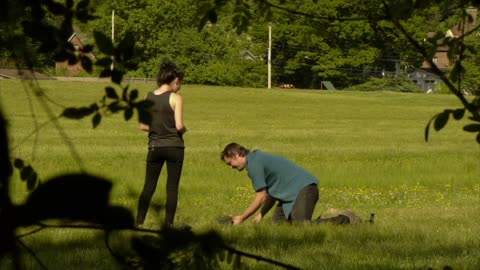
[233, 149]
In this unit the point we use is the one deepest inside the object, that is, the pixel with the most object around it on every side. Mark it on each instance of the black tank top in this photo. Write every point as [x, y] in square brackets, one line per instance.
[162, 130]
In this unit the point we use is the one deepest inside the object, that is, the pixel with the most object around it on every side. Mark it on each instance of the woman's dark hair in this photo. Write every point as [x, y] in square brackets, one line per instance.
[168, 72]
[233, 149]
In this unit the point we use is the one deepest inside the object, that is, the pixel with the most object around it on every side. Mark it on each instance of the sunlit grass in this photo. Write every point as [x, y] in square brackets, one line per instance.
[367, 149]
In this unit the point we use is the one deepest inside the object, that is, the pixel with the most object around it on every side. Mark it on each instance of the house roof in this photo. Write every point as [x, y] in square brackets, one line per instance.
[247, 55]
[76, 40]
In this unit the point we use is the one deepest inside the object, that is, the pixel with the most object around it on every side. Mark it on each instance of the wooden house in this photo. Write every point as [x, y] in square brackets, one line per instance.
[441, 59]
[64, 67]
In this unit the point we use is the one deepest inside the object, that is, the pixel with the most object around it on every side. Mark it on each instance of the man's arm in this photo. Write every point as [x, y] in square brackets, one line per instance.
[269, 203]
[260, 198]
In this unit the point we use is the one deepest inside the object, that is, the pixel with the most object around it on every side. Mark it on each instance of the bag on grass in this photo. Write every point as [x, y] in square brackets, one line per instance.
[339, 217]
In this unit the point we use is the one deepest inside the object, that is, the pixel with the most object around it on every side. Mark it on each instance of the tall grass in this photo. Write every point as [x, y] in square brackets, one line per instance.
[367, 149]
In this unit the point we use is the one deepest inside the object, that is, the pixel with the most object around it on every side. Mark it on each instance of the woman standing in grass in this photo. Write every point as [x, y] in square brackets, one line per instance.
[165, 140]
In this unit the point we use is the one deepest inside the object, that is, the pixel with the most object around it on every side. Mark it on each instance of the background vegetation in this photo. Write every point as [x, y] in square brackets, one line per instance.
[367, 148]
[340, 41]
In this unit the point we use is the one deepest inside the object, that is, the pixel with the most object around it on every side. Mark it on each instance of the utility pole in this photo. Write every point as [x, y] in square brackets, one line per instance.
[269, 56]
[113, 35]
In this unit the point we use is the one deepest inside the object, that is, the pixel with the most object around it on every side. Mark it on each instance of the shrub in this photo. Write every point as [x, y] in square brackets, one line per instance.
[395, 84]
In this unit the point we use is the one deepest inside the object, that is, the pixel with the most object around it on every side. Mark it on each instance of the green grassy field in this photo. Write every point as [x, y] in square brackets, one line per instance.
[367, 149]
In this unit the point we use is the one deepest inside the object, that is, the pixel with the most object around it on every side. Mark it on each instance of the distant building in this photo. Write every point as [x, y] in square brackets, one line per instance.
[441, 59]
[427, 81]
[246, 54]
[76, 68]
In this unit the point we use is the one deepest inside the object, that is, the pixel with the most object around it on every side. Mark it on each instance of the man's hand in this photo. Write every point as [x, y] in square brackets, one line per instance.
[257, 219]
[238, 220]
[260, 197]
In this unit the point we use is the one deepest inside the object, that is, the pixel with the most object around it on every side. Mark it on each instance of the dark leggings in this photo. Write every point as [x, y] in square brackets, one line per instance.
[303, 208]
[156, 157]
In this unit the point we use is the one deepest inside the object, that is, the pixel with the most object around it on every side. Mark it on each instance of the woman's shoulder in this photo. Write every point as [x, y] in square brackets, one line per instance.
[175, 96]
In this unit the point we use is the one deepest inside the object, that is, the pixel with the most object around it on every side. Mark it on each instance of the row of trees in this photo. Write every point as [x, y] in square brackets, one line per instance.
[342, 41]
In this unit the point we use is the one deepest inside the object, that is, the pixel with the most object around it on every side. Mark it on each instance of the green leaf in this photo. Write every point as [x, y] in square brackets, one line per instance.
[472, 128]
[26, 172]
[117, 76]
[115, 107]
[105, 73]
[128, 113]
[18, 163]
[77, 113]
[86, 64]
[94, 107]
[97, 118]
[104, 43]
[127, 47]
[133, 95]
[32, 181]
[105, 62]
[458, 114]
[474, 118]
[111, 93]
[441, 120]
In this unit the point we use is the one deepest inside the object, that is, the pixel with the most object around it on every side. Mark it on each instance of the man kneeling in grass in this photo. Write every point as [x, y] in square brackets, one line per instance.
[275, 179]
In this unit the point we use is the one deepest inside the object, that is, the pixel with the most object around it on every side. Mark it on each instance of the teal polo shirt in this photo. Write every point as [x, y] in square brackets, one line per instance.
[282, 178]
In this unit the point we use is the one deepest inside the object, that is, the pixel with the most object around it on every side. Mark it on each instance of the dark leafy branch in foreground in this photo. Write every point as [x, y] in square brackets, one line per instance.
[27, 174]
[440, 120]
[84, 198]
[155, 249]
[118, 59]
[456, 47]
[112, 103]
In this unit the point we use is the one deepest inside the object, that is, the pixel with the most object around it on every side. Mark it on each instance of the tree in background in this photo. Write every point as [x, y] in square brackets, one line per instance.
[164, 28]
[394, 18]
[346, 42]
